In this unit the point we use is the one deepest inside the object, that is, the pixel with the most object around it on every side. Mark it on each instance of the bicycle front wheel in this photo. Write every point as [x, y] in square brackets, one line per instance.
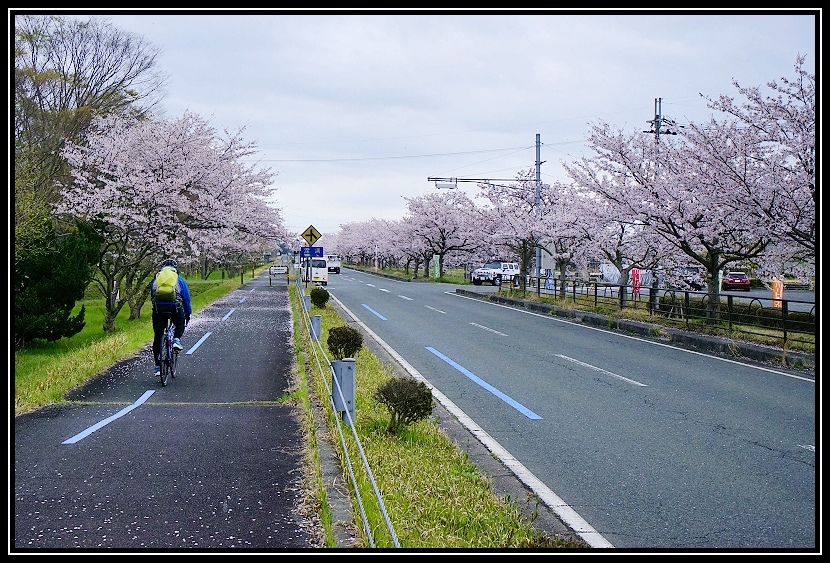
[174, 360]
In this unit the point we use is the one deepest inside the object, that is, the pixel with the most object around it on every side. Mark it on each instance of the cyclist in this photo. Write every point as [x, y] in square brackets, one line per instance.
[169, 303]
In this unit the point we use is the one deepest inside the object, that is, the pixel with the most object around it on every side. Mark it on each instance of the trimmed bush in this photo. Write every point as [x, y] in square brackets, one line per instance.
[319, 296]
[344, 342]
[406, 399]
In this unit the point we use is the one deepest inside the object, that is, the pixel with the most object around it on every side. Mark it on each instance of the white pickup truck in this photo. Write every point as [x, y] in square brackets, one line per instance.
[496, 272]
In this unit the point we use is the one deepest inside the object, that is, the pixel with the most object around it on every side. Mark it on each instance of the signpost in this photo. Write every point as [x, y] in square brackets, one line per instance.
[276, 270]
[310, 235]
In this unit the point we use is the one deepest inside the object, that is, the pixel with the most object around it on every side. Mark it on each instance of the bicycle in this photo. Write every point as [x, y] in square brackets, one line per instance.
[168, 356]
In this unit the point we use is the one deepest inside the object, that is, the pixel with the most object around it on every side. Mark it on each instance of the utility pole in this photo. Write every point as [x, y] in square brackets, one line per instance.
[538, 217]
[658, 122]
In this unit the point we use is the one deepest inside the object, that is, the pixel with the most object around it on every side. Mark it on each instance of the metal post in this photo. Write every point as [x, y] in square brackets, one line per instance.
[538, 217]
[315, 326]
[343, 387]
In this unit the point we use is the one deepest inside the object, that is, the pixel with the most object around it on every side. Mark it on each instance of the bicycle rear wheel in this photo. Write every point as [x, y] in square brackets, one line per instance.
[166, 362]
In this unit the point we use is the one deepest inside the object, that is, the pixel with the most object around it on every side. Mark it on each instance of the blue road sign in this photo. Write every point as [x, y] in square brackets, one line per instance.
[311, 252]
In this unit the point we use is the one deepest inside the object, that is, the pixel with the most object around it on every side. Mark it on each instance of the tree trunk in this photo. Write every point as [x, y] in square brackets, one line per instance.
[624, 279]
[713, 301]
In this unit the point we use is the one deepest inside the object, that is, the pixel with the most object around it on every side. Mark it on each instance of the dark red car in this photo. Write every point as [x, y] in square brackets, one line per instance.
[735, 280]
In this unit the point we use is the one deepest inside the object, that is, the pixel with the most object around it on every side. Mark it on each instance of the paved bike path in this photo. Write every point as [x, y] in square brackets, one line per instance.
[210, 462]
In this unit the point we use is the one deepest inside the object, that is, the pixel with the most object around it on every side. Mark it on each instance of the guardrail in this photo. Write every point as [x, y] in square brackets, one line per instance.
[785, 321]
[324, 366]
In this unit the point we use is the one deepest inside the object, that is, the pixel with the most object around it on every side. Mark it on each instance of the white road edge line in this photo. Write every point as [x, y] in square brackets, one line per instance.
[568, 515]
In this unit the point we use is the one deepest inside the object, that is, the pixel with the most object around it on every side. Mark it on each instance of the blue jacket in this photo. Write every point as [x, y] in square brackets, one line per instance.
[185, 296]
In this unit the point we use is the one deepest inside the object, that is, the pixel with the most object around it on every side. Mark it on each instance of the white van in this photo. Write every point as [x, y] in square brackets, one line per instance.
[333, 261]
[316, 270]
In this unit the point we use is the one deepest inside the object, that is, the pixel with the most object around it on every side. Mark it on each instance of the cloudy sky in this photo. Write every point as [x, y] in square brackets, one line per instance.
[353, 111]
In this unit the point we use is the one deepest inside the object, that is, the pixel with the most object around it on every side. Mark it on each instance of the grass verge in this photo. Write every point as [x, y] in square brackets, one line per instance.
[433, 494]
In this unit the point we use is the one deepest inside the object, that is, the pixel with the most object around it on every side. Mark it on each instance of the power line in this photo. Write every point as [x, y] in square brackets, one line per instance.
[393, 157]
[413, 156]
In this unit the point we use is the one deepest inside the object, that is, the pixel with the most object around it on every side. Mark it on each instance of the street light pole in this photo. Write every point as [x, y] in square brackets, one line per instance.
[452, 183]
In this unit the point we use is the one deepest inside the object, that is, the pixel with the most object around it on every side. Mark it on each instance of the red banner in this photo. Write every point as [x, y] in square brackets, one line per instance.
[635, 280]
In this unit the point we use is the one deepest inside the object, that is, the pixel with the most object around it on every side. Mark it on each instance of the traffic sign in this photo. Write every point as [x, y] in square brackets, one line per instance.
[311, 235]
[311, 252]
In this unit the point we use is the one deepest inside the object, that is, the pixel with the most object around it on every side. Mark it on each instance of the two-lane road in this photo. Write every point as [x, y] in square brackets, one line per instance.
[653, 446]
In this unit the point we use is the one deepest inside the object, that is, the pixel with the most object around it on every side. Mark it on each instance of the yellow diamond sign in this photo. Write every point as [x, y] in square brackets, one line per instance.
[311, 235]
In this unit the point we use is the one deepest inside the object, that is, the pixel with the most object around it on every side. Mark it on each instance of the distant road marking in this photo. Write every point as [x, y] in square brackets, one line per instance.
[620, 335]
[612, 374]
[473, 377]
[405, 297]
[80, 436]
[229, 314]
[487, 328]
[199, 343]
[381, 317]
[370, 284]
[434, 309]
[382, 289]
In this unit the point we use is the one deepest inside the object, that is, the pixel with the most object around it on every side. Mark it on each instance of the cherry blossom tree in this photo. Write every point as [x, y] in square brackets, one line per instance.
[784, 124]
[413, 250]
[350, 242]
[444, 222]
[605, 235]
[160, 188]
[668, 187]
[513, 219]
[366, 242]
[564, 238]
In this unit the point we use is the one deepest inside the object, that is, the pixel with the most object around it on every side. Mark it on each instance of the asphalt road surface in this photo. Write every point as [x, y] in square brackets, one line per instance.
[653, 446]
[210, 462]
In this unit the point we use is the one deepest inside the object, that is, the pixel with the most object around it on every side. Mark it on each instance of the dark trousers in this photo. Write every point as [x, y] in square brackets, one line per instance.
[160, 325]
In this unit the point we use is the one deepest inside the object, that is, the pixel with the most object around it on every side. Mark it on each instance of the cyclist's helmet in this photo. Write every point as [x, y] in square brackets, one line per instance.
[170, 262]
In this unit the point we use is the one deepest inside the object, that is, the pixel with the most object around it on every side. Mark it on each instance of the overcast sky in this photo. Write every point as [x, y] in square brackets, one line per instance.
[354, 111]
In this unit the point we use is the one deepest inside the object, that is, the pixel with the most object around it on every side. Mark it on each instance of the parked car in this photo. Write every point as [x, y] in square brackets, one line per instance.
[735, 280]
[495, 272]
[316, 270]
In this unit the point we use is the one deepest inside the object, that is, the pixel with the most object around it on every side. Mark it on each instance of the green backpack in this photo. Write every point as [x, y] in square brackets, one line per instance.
[167, 285]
